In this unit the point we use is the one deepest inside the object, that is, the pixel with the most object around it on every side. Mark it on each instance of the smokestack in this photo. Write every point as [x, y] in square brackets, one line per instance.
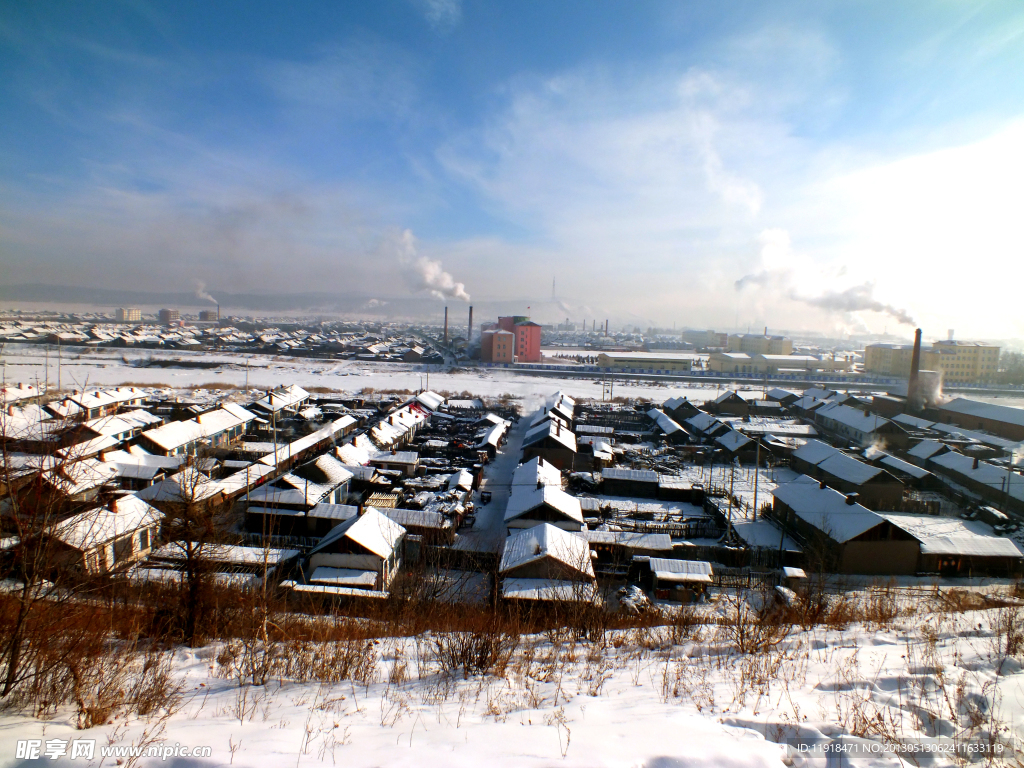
[606, 326]
[913, 387]
[469, 336]
[950, 332]
[218, 311]
[446, 326]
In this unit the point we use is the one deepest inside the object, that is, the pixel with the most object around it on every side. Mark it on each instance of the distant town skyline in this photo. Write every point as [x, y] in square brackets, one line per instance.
[805, 166]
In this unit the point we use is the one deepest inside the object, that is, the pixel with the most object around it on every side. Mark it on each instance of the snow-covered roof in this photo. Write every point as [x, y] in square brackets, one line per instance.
[93, 527]
[1003, 413]
[548, 590]
[348, 577]
[534, 471]
[986, 474]
[525, 499]
[430, 400]
[855, 418]
[733, 441]
[826, 509]
[850, 470]
[178, 434]
[281, 398]
[420, 518]
[545, 540]
[324, 511]
[814, 452]
[632, 475]
[371, 530]
[629, 539]
[553, 430]
[899, 465]
[914, 422]
[763, 533]
[927, 448]
[463, 480]
[682, 571]
[702, 422]
[664, 422]
[953, 536]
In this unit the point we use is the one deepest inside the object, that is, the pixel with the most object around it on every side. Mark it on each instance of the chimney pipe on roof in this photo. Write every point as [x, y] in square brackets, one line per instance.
[851, 498]
[914, 399]
[821, 485]
[975, 464]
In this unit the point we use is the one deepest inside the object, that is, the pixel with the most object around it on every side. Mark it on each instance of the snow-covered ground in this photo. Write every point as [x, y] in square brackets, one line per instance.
[108, 367]
[640, 698]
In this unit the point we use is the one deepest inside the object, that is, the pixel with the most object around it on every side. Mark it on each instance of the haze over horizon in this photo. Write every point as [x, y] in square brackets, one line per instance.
[797, 165]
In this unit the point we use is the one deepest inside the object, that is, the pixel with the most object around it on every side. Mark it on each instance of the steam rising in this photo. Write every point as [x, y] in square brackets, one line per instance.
[427, 274]
[856, 298]
[783, 268]
[202, 294]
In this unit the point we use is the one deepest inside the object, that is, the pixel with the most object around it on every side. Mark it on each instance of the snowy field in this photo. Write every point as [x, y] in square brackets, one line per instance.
[109, 367]
[690, 695]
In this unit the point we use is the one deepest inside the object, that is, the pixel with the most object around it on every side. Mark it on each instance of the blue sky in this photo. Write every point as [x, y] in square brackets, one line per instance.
[856, 162]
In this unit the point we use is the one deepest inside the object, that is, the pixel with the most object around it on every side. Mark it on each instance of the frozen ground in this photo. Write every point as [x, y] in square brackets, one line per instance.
[707, 696]
[108, 367]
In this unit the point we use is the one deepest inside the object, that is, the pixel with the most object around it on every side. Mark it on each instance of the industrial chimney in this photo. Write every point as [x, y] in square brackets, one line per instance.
[446, 326]
[469, 335]
[914, 399]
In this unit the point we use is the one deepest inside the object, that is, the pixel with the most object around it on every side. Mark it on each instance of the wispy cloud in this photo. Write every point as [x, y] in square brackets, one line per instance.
[442, 15]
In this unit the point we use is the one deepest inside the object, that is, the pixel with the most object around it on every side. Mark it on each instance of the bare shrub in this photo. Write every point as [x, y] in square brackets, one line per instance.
[487, 652]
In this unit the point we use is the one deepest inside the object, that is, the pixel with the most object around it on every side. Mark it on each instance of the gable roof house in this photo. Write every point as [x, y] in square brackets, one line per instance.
[543, 504]
[844, 536]
[104, 539]
[860, 427]
[875, 487]
[363, 553]
[545, 563]
[553, 443]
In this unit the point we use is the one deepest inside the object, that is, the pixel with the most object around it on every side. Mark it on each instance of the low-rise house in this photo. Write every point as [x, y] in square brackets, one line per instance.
[545, 563]
[876, 488]
[363, 553]
[677, 580]
[406, 462]
[619, 481]
[536, 473]
[728, 404]
[668, 427]
[104, 539]
[530, 506]
[553, 443]
[860, 427]
[220, 426]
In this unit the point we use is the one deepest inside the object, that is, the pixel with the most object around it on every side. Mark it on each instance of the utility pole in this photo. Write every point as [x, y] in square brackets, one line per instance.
[58, 364]
[757, 471]
[732, 483]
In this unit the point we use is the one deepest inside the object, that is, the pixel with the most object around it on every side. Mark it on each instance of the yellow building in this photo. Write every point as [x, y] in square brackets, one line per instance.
[647, 361]
[959, 362]
[760, 345]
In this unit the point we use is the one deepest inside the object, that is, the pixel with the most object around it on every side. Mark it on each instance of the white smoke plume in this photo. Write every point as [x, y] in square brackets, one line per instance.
[202, 294]
[795, 277]
[426, 274]
[856, 298]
